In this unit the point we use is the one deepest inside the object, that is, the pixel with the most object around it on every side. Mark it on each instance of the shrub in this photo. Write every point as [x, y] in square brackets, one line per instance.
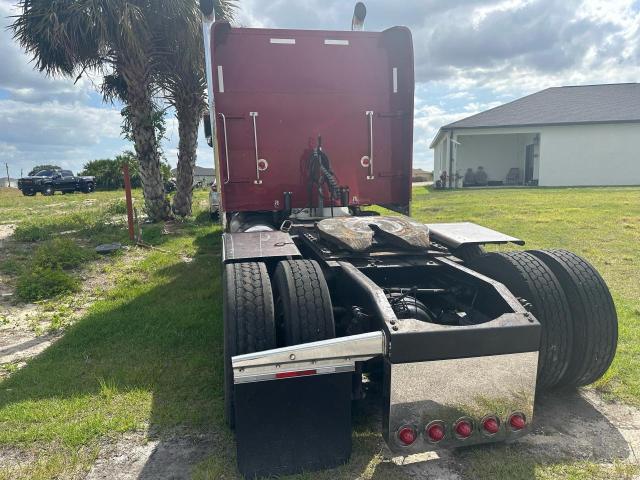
[30, 232]
[61, 253]
[39, 283]
[117, 207]
[10, 266]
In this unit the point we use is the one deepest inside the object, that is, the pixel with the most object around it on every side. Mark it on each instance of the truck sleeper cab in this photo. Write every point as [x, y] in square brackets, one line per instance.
[323, 297]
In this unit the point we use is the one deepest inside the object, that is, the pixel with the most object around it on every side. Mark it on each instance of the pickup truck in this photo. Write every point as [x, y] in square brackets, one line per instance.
[48, 182]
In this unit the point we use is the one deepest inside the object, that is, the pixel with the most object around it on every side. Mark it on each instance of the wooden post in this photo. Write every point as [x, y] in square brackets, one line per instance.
[127, 193]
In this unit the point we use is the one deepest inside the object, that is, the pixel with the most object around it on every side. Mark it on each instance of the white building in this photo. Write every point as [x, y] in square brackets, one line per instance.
[563, 136]
[202, 176]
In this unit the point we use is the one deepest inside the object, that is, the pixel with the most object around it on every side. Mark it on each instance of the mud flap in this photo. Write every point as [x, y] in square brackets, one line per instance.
[293, 425]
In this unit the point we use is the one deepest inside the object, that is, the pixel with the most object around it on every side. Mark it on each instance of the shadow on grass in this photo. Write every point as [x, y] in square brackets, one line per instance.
[152, 352]
[165, 339]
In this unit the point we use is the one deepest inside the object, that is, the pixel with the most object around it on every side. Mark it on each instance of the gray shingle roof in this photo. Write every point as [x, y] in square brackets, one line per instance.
[563, 105]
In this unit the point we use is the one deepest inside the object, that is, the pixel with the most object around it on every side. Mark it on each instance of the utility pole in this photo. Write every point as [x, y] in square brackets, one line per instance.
[8, 178]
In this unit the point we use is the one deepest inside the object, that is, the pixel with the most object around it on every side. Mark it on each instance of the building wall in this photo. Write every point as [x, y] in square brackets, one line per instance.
[439, 157]
[205, 179]
[605, 154]
[570, 155]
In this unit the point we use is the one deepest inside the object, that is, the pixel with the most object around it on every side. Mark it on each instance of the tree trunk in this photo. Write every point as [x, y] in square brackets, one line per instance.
[146, 144]
[188, 115]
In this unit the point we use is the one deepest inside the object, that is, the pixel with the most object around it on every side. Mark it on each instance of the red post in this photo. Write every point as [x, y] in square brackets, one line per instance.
[127, 192]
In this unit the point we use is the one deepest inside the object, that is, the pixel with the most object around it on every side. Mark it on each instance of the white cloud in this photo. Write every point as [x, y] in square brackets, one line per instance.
[57, 123]
[52, 132]
[469, 55]
[482, 12]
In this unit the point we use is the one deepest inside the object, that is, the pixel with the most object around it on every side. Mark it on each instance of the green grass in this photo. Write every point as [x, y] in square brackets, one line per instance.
[17, 208]
[601, 224]
[56, 237]
[43, 275]
[148, 353]
[38, 283]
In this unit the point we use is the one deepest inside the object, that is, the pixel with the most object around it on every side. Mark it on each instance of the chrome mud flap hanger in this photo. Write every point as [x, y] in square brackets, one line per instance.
[316, 358]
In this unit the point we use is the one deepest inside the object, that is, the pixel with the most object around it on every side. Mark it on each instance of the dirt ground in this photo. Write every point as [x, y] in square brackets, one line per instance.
[20, 339]
[17, 341]
[577, 426]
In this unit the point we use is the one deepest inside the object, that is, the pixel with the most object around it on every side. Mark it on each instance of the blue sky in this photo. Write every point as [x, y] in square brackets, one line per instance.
[470, 55]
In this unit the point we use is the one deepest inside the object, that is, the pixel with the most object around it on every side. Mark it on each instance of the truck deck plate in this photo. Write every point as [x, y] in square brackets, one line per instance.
[454, 235]
[248, 245]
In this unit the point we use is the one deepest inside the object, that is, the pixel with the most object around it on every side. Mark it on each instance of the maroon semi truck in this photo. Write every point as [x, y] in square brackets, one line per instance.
[322, 295]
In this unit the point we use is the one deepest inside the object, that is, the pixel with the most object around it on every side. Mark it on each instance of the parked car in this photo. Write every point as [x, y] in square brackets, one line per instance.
[48, 182]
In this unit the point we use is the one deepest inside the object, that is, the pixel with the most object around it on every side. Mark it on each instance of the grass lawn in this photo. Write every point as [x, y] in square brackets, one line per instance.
[601, 224]
[147, 356]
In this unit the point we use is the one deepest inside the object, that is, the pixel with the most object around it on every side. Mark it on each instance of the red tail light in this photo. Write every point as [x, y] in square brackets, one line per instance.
[463, 428]
[490, 425]
[435, 432]
[517, 421]
[407, 435]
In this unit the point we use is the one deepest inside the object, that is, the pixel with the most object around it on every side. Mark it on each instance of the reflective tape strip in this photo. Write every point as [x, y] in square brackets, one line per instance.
[220, 80]
[262, 377]
[283, 41]
[395, 80]
[330, 41]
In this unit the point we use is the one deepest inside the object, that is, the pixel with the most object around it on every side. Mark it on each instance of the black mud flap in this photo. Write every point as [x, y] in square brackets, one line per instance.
[293, 425]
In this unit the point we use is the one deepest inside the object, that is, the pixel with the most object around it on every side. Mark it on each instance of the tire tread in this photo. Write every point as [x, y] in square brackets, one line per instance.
[593, 310]
[528, 277]
[249, 324]
[306, 301]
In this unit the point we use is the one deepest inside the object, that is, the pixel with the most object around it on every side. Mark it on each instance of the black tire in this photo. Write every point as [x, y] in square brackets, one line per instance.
[303, 303]
[48, 190]
[28, 193]
[529, 278]
[249, 324]
[87, 188]
[467, 253]
[595, 334]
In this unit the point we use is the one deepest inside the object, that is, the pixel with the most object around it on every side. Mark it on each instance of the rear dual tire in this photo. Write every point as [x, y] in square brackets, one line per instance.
[303, 303]
[468, 253]
[573, 304]
[248, 318]
[530, 279]
[595, 323]
[304, 311]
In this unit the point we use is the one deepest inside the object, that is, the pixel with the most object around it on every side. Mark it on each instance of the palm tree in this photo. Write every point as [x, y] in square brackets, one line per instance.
[70, 37]
[180, 72]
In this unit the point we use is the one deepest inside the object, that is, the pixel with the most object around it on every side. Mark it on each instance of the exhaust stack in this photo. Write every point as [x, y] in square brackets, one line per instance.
[359, 12]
